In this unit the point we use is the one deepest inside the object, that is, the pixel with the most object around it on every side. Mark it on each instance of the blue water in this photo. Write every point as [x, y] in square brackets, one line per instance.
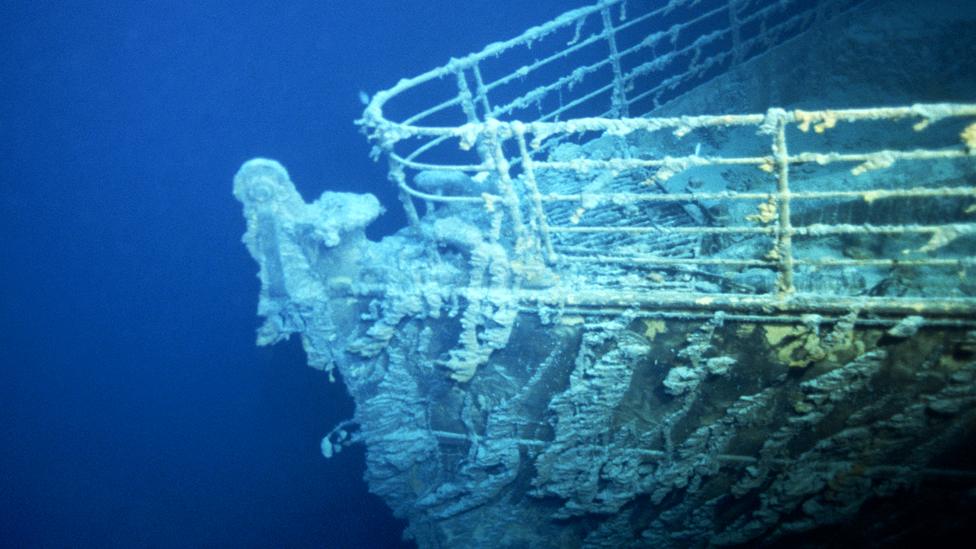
[135, 409]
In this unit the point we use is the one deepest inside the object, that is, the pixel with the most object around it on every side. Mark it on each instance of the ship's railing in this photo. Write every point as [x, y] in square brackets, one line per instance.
[795, 163]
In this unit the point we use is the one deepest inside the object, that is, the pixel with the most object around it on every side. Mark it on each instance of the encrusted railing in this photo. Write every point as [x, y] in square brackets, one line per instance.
[503, 135]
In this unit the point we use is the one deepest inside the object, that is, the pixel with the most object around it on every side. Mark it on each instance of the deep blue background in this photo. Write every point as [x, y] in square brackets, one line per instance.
[135, 409]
